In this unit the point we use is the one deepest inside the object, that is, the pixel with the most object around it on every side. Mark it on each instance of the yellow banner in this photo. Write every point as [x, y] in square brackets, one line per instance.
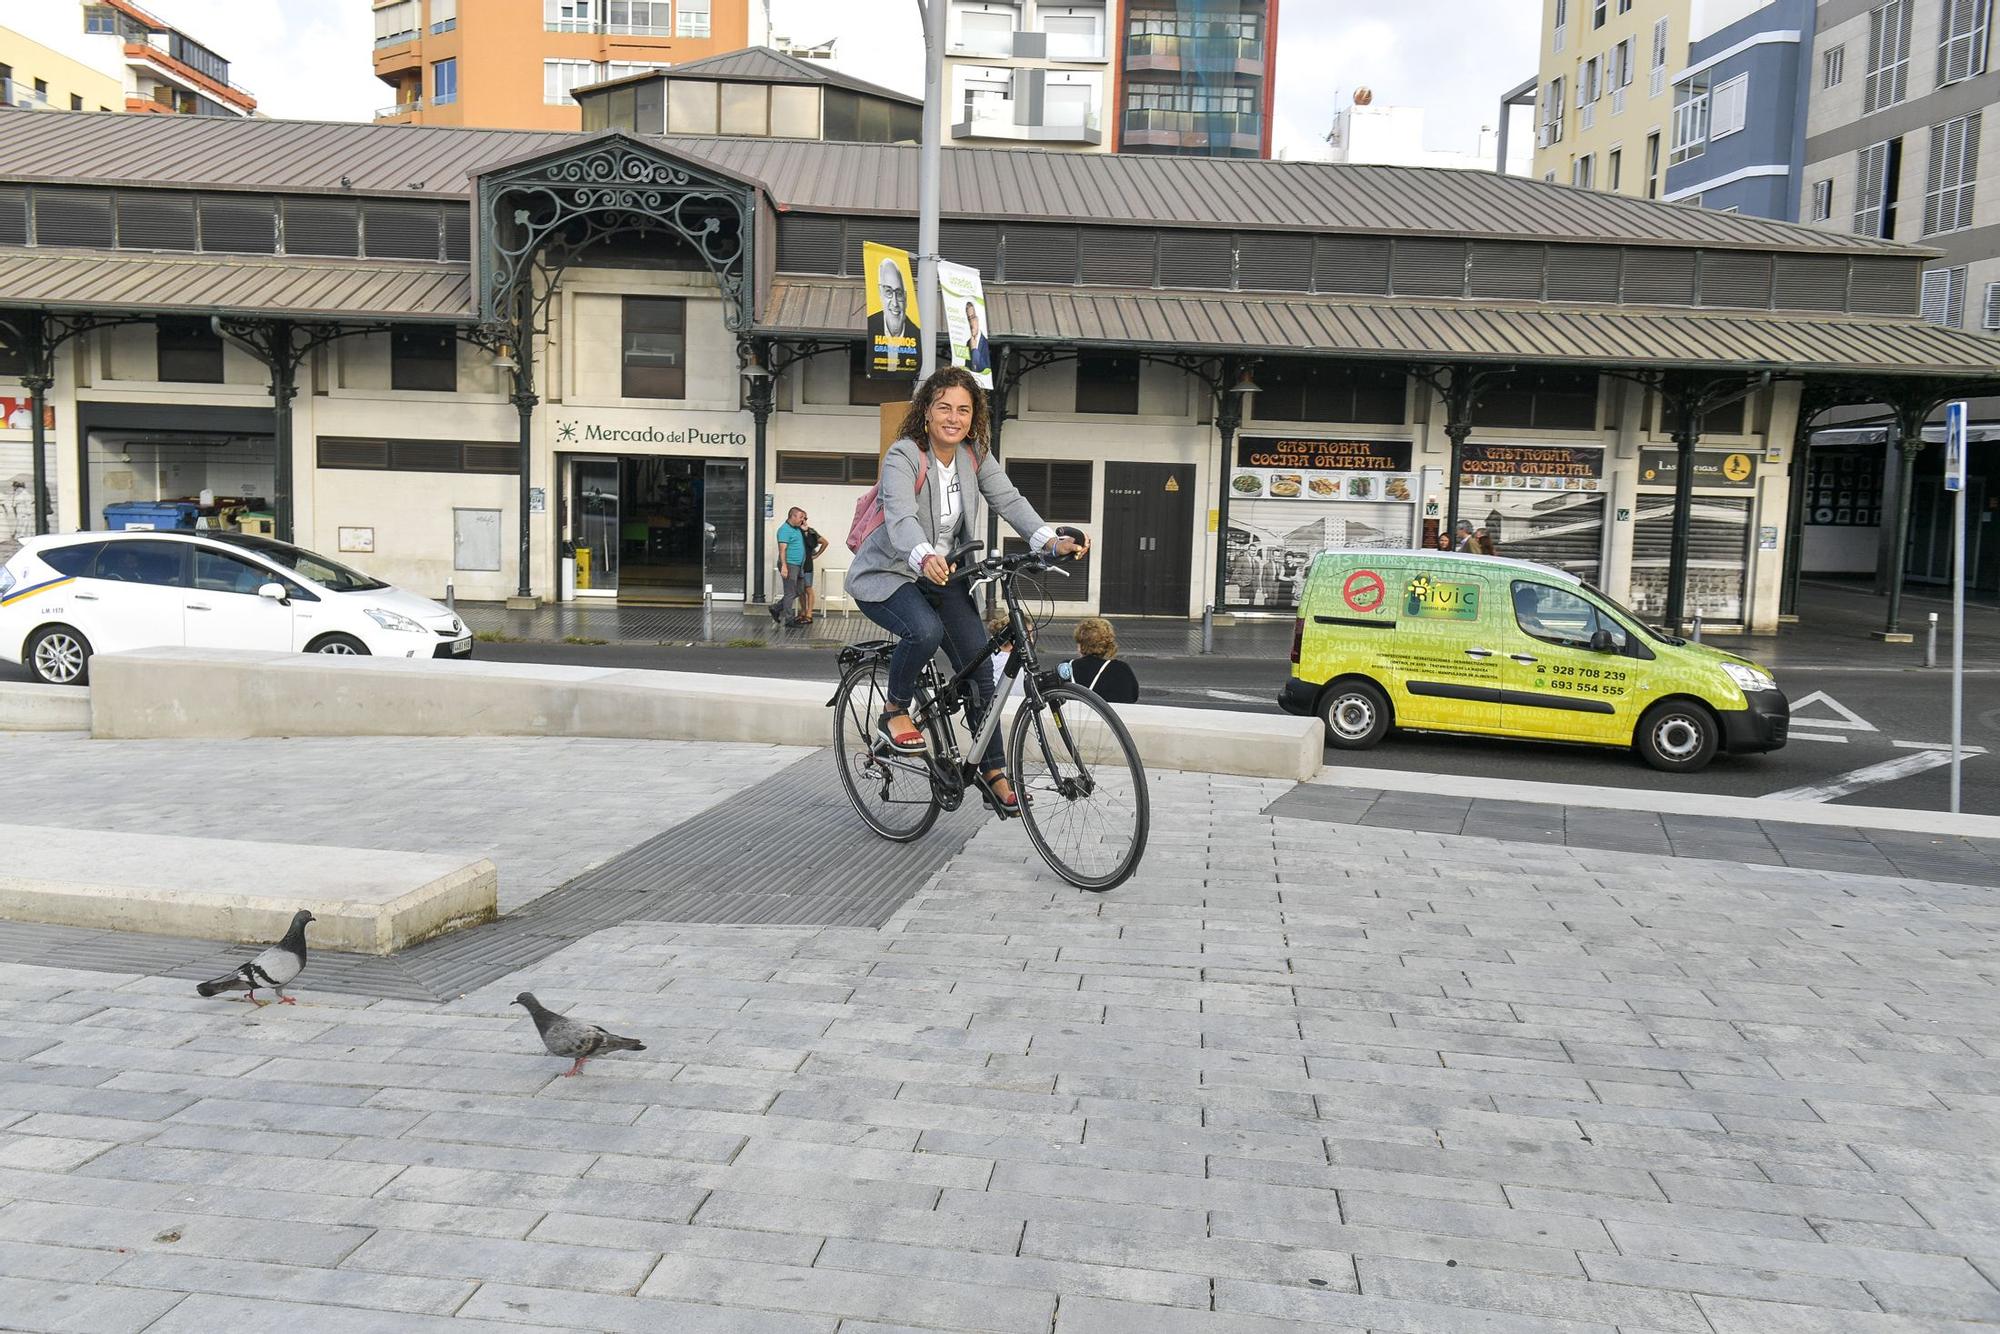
[893, 331]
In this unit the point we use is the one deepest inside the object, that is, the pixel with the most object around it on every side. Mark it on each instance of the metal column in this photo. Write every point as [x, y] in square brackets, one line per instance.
[1687, 434]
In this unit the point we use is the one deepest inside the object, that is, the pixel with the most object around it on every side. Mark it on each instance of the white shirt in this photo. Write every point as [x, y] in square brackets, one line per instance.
[950, 504]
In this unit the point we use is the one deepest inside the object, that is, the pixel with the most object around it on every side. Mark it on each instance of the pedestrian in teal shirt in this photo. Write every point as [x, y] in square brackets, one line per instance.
[791, 564]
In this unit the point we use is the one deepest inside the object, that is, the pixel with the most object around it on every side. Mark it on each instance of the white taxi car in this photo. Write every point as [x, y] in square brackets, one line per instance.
[64, 598]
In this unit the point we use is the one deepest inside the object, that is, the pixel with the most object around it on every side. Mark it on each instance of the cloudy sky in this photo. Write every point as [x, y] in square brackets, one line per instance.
[310, 58]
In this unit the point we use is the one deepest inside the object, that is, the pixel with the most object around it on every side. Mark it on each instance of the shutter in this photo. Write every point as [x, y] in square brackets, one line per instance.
[425, 456]
[1810, 282]
[13, 215]
[1031, 478]
[1735, 278]
[1038, 253]
[1119, 256]
[73, 218]
[493, 458]
[1351, 264]
[1422, 266]
[808, 243]
[1070, 493]
[1954, 310]
[1583, 272]
[344, 452]
[1508, 270]
[898, 232]
[1884, 286]
[322, 227]
[1198, 259]
[400, 231]
[1049, 586]
[155, 221]
[1991, 318]
[1936, 301]
[974, 244]
[457, 233]
[812, 469]
[1656, 277]
[239, 225]
[1274, 262]
[1946, 144]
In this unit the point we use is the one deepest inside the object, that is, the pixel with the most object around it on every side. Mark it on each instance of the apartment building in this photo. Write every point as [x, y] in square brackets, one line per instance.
[112, 56]
[1739, 118]
[482, 62]
[1197, 77]
[1037, 73]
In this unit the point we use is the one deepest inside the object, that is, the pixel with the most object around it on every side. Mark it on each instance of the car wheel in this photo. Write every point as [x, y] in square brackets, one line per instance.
[1356, 714]
[1678, 737]
[58, 656]
[341, 644]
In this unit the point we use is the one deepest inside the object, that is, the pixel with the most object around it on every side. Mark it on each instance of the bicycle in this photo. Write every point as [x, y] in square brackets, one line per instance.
[1075, 770]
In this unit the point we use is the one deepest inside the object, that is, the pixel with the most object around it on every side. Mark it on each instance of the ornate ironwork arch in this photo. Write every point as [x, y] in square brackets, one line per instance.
[541, 215]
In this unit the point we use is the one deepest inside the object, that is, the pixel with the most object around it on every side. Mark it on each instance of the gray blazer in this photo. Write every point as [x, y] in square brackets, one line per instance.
[908, 520]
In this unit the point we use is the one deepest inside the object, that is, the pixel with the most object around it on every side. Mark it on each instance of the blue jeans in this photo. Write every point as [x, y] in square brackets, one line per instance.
[925, 616]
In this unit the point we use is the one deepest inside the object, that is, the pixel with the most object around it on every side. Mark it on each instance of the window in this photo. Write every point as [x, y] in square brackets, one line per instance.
[423, 359]
[1589, 84]
[220, 572]
[1614, 169]
[1559, 616]
[1833, 67]
[75, 102]
[1944, 296]
[985, 34]
[568, 15]
[1962, 40]
[1624, 6]
[100, 19]
[1316, 391]
[1621, 64]
[1582, 171]
[1598, 12]
[655, 347]
[73, 560]
[444, 82]
[1059, 490]
[1876, 182]
[444, 15]
[42, 90]
[835, 470]
[1552, 114]
[1888, 79]
[862, 391]
[746, 109]
[1561, 36]
[1074, 36]
[1822, 201]
[1954, 168]
[143, 562]
[1690, 120]
[396, 22]
[1107, 382]
[1729, 104]
[1991, 320]
[645, 18]
[190, 352]
[693, 19]
[1653, 165]
[1543, 400]
[691, 106]
[1659, 65]
[378, 455]
[560, 77]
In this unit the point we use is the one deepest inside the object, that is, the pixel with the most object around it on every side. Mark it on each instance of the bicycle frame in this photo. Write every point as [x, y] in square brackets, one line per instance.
[1021, 661]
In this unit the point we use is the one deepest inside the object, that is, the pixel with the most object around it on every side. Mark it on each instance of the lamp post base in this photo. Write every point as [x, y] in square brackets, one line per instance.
[519, 603]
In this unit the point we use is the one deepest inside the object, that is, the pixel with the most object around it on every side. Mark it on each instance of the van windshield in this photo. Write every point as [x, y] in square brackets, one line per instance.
[1628, 615]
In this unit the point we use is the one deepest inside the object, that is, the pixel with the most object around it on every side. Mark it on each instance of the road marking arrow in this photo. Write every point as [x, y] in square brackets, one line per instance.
[1903, 766]
[1848, 721]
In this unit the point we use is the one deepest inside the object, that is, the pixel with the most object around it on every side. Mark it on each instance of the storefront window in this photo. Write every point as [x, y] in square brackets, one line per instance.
[1542, 503]
[1718, 557]
[1291, 498]
[655, 343]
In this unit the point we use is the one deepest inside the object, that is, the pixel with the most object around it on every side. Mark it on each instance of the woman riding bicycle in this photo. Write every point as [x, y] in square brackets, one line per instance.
[932, 483]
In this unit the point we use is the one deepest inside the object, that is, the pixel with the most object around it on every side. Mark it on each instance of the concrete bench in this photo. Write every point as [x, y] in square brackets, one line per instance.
[29, 707]
[226, 693]
[366, 901]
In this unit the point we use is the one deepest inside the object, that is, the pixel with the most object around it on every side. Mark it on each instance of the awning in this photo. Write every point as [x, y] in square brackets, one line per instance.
[1411, 330]
[121, 282]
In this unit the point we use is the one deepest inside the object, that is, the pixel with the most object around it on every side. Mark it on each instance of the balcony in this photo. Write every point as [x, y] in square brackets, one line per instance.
[1240, 130]
[400, 110]
[996, 121]
[602, 29]
[1164, 51]
[14, 93]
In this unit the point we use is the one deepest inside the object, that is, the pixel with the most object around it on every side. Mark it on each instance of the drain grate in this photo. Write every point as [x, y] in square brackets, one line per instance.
[788, 851]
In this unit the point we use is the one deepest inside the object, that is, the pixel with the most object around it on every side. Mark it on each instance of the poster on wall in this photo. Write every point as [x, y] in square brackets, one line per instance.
[1844, 486]
[18, 414]
[1293, 497]
[964, 300]
[892, 316]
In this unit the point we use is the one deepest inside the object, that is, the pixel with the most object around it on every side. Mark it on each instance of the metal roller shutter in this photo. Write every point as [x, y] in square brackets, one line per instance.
[1508, 270]
[1426, 267]
[1718, 556]
[1736, 279]
[1119, 256]
[1584, 272]
[1274, 262]
[151, 220]
[808, 244]
[322, 227]
[1351, 264]
[239, 225]
[73, 218]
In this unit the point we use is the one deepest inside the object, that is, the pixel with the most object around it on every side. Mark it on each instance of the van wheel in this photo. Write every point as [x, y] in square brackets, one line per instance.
[1677, 737]
[58, 656]
[1356, 714]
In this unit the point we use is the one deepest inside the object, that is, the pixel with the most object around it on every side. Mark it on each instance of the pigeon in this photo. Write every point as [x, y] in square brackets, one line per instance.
[273, 968]
[567, 1037]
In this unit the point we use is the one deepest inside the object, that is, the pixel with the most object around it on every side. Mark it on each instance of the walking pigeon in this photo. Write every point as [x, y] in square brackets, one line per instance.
[567, 1037]
[273, 968]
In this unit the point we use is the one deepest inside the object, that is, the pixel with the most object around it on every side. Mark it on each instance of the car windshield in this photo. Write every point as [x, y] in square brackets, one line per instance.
[1628, 615]
[313, 568]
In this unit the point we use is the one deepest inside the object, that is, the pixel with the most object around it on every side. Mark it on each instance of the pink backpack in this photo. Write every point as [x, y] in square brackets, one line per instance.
[868, 509]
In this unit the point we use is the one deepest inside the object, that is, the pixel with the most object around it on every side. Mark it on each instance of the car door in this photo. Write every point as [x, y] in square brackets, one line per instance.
[1445, 654]
[131, 598]
[223, 608]
[1566, 674]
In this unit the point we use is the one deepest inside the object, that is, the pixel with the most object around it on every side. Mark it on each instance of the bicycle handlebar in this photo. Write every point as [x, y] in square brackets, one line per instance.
[1007, 565]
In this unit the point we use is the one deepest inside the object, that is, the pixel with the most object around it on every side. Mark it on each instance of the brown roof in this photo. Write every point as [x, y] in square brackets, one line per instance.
[115, 281]
[760, 64]
[1404, 329]
[808, 176]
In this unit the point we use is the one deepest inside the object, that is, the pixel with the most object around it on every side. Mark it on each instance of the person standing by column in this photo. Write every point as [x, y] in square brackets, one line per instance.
[815, 546]
[791, 564]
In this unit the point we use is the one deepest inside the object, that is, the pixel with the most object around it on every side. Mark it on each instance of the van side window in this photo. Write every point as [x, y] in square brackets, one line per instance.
[1558, 616]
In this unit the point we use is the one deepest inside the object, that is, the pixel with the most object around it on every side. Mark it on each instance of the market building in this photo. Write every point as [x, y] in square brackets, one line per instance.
[454, 355]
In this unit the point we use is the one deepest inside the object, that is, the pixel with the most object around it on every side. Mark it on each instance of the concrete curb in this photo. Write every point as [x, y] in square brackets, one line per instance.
[1662, 803]
[29, 707]
[366, 901]
[161, 693]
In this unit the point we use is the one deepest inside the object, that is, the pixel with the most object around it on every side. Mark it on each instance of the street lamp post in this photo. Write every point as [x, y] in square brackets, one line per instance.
[760, 392]
[929, 167]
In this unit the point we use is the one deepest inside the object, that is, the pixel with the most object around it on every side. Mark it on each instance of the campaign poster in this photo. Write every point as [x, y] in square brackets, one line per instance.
[893, 349]
[964, 299]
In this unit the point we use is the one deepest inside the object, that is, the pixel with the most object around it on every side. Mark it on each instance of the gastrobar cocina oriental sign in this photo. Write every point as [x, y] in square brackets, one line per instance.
[1268, 451]
[1531, 461]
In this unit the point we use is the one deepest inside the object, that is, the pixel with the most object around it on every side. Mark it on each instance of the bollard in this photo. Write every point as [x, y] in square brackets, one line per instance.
[1208, 628]
[1696, 634]
[1930, 643]
[451, 599]
[708, 613]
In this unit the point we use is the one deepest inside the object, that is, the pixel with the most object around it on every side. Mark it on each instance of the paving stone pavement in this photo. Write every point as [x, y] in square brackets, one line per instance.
[1297, 1075]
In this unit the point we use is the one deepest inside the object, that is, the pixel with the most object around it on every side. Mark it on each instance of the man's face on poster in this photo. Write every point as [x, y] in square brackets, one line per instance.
[895, 301]
[971, 323]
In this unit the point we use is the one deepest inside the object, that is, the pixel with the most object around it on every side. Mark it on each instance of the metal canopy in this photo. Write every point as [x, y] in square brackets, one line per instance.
[1240, 323]
[147, 283]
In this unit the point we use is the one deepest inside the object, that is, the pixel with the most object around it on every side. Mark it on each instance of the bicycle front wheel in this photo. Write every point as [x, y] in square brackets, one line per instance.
[891, 791]
[1081, 786]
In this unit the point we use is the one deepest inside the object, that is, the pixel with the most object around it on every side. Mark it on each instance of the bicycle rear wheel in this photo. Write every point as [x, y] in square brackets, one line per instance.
[1082, 788]
[891, 791]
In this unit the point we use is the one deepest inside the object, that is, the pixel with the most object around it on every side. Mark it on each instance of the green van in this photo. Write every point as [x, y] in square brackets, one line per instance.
[1447, 642]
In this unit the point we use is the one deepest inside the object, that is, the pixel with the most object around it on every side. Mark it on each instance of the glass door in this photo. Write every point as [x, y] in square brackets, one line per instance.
[726, 526]
[594, 525]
